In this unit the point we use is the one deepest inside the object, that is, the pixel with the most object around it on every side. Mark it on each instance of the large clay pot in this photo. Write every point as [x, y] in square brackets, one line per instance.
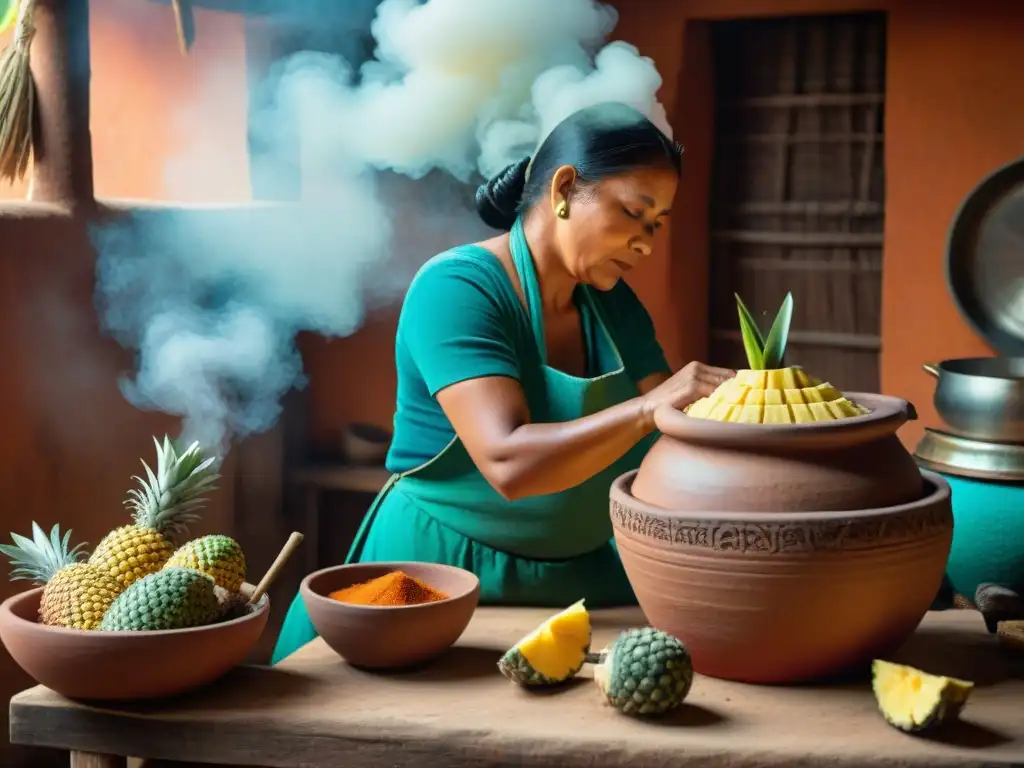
[780, 597]
[784, 553]
[855, 463]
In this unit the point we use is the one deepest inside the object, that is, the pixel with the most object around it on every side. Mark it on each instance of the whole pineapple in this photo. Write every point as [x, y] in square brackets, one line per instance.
[171, 598]
[219, 557]
[162, 507]
[76, 595]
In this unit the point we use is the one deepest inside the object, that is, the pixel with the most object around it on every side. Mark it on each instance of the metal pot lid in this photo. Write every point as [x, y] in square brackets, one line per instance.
[954, 455]
[985, 259]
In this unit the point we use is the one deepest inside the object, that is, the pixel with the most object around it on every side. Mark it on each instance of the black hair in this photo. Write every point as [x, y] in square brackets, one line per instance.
[598, 141]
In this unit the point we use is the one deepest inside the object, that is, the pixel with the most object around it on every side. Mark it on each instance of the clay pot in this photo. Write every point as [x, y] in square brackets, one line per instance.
[781, 597]
[125, 666]
[857, 463]
[390, 637]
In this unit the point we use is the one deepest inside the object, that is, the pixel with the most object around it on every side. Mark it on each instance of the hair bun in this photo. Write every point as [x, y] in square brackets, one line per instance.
[497, 200]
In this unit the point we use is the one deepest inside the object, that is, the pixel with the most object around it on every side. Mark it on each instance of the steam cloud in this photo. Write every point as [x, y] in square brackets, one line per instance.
[212, 298]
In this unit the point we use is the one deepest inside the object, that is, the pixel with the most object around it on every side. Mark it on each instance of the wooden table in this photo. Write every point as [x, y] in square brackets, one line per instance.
[313, 710]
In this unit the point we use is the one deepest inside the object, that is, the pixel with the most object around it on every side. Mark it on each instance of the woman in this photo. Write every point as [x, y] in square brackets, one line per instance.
[528, 374]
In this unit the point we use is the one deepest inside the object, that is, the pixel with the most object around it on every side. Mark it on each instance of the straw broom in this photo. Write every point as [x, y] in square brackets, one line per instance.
[17, 97]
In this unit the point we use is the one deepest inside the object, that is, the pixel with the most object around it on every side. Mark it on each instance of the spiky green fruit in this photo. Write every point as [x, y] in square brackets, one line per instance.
[644, 672]
[219, 557]
[171, 598]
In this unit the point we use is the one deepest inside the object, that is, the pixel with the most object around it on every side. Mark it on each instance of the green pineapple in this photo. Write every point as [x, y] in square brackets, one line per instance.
[644, 672]
[76, 595]
[219, 557]
[171, 598]
[162, 507]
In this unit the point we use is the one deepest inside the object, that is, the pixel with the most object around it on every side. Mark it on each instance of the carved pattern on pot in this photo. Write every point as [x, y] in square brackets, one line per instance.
[792, 537]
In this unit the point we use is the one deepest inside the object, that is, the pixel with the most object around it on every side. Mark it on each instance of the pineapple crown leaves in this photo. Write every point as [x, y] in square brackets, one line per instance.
[167, 500]
[39, 558]
[765, 353]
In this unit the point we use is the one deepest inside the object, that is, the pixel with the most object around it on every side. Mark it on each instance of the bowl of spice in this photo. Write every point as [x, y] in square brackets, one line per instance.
[390, 615]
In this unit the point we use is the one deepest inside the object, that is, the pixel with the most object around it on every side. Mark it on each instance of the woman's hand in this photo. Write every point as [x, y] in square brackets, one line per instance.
[693, 382]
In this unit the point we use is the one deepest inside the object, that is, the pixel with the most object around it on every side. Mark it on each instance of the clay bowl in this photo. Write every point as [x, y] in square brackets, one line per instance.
[785, 597]
[365, 444]
[390, 637]
[125, 666]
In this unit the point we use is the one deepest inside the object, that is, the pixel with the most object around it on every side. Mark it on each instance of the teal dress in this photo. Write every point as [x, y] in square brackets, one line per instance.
[462, 319]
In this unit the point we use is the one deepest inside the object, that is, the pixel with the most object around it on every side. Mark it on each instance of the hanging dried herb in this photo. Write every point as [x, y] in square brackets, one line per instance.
[17, 97]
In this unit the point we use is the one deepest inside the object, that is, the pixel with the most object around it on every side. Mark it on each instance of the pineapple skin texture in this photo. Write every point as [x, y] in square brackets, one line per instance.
[172, 598]
[219, 557]
[130, 552]
[558, 649]
[778, 396]
[78, 597]
[645, 672]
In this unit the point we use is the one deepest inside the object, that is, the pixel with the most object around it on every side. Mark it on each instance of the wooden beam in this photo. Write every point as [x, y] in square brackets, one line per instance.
[864, 341]
[62, 144]
[801, 239]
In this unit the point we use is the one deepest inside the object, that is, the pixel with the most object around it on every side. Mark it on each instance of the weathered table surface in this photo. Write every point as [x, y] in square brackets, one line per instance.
[313, 710]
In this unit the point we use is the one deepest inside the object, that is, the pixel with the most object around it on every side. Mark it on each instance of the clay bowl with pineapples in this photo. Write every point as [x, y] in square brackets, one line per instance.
[778, 527]
[149, 614]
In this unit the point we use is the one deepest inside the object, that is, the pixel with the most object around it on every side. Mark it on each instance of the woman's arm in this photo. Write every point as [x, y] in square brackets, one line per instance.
[651, 382]
[520, 458]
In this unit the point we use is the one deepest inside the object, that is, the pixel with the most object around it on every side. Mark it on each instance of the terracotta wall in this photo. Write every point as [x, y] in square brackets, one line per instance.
[71, 442]
[953, 114]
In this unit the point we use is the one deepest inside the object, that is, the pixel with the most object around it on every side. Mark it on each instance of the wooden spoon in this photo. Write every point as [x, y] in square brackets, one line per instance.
[275, 568]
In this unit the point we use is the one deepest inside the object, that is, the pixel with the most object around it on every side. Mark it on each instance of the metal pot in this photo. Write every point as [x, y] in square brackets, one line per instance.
[981, 397]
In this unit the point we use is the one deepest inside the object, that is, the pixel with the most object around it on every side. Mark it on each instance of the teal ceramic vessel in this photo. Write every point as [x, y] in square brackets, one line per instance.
[988, 534]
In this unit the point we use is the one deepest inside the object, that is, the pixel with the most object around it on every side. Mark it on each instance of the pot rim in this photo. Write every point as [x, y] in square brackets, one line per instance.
[887, 415]
[950, 368]
[7, 615]
[620, 492]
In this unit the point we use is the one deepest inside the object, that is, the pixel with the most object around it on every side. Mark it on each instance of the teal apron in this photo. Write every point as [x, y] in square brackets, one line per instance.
[547, 551]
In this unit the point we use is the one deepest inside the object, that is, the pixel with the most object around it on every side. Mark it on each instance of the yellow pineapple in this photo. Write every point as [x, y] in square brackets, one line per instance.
[76, 595]
[767, 393]
[162, 507]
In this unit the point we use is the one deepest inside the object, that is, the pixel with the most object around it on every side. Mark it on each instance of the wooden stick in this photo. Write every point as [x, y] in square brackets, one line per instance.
[185, 22]
[275, 568]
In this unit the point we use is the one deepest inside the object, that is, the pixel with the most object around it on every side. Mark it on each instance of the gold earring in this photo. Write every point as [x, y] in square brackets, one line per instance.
[562, 210]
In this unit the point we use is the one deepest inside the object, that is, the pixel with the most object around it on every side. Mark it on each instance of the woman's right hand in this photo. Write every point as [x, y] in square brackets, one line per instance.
[694, 381]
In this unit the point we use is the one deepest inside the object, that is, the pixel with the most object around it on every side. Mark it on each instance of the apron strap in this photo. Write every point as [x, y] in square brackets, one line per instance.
[356, 551]
[523, 261]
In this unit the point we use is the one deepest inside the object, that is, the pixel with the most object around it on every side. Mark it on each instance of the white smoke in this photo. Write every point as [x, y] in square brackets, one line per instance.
[212, 299]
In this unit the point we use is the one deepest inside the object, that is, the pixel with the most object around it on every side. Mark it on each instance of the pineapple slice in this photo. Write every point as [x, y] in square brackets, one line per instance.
[767, 392]
[552, 653]
[914, 701]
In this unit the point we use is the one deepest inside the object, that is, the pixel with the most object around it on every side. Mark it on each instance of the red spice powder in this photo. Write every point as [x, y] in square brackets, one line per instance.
[395, 588]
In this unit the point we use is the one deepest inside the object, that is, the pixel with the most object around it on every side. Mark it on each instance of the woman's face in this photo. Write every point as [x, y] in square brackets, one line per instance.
[611, 225]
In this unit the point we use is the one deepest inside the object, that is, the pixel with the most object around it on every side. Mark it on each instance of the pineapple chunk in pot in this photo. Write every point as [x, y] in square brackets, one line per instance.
[768, 393]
